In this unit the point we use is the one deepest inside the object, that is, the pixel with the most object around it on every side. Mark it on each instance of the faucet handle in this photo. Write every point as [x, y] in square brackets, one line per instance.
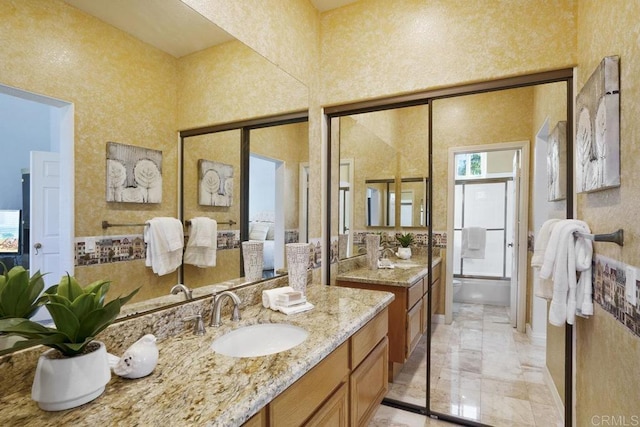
[198, 325]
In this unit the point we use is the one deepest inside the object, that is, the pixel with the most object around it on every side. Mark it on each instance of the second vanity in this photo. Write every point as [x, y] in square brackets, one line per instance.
[337, 376]
[409, 312]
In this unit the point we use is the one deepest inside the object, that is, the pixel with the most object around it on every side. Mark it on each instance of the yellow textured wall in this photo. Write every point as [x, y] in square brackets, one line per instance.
[231, 82]
[123, 91]
[284, 31]
[607, 354]
[376, 48]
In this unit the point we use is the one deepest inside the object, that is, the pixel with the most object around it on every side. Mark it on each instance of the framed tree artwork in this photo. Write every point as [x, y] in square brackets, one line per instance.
[215, 183]
[134, 174]
[598, 129]
[556, 161]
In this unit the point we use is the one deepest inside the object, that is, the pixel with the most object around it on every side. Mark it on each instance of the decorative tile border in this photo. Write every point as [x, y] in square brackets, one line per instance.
[609, 279]
[389, 237]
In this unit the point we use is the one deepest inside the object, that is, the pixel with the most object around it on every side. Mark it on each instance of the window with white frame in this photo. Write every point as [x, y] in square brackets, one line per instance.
[471, 165]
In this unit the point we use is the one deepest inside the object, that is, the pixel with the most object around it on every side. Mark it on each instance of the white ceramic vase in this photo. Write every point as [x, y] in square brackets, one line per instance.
[71, 381]
[297, 265]
[253, 260]
[404, 253]
[373, 248]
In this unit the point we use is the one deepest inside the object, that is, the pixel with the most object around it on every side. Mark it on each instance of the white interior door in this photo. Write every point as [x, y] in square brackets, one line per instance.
[515, 240]
[44, 253]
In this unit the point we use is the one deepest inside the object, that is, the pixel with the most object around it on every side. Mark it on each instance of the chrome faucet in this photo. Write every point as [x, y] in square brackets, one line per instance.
[217, 304]
[383, 252]
[188, 294]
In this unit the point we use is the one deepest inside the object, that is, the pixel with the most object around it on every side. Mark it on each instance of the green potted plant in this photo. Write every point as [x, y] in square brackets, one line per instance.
[19, 297]
[405, 241]
[19, 293]
[75, 370]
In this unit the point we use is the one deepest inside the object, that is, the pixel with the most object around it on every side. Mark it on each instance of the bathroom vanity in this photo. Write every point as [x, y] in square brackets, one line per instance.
[337, 376]
[409, 312]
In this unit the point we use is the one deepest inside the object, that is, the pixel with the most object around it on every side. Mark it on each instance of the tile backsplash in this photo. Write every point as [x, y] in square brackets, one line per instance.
[609, 279]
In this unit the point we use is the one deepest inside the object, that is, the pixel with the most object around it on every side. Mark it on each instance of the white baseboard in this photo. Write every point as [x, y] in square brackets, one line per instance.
[537, 339]
[554, 393]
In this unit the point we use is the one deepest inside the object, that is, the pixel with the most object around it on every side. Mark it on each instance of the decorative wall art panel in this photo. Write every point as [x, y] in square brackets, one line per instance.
[215, 184]
[134, 174]
[598, 129]
[556, 163]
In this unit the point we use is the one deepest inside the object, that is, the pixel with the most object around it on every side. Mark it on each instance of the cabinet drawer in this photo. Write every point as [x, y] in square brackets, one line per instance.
[335, 412]
[369, 383]
[363, 341]
[297, 403]
[415, 293]
[414, 322]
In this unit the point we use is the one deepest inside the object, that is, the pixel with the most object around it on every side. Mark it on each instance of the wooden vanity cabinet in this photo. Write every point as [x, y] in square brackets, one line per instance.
[344, 389]
[408, 314]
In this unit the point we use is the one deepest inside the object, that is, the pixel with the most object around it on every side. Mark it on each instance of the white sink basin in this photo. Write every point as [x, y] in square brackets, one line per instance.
[259, 340]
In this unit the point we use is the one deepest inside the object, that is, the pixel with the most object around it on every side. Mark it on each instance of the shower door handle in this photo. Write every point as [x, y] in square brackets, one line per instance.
[510, 245]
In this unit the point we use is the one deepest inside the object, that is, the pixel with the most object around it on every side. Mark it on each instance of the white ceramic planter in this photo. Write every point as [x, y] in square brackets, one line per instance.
[66, 383]
[404, 253]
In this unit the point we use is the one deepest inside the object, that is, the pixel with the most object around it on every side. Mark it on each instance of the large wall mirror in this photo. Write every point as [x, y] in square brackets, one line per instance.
[266, 160]
[486, 141]
[216, 82]
[383, 169]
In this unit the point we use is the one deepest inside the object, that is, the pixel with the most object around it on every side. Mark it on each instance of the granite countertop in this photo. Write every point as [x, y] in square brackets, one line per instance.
[404, 276]
[193, 385]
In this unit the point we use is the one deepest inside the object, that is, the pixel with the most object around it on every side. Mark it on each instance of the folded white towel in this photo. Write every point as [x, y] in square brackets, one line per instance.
[543, 288]
[269, 296]
[296, 308]
[474, 242]
[164, 237]
[203, 242]
[566, 254]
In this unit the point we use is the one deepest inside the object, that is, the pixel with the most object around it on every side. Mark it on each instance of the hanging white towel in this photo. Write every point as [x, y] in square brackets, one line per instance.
[565, 255]
[474, 242]
[203, 242]
[542, 288]
[164, 237]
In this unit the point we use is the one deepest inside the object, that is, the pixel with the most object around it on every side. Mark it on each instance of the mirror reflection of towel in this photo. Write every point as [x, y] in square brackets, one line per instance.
[474, 242]
[202, 244]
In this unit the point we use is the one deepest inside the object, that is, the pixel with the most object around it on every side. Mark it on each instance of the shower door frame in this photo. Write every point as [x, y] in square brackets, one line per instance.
[504, 181]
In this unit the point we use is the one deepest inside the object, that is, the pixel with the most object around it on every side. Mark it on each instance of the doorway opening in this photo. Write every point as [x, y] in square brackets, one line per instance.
[488, 221]
[46, 171]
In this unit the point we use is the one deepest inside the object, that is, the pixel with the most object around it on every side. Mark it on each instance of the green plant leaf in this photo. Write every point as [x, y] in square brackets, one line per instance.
[72, 349]
[59, 299]
[66, 322]
[83, 305]
[69, 288]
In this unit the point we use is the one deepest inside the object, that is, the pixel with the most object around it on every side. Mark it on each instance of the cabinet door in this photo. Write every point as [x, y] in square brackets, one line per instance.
[369, 383]
[414, 323]
[258, 420]
[335, 411]
[297, 403]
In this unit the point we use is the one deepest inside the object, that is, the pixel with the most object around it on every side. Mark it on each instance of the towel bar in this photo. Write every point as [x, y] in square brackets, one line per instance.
[616, 237]
[107, 224]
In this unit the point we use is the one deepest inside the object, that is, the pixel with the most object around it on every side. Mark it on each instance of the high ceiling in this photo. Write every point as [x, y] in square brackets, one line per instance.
[169, 25]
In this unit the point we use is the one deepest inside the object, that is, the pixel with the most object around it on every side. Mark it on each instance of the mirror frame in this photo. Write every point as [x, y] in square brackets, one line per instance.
[245, 127]
[421, 98]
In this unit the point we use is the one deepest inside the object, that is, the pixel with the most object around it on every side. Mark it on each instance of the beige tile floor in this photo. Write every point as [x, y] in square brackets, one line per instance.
[481, 369]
